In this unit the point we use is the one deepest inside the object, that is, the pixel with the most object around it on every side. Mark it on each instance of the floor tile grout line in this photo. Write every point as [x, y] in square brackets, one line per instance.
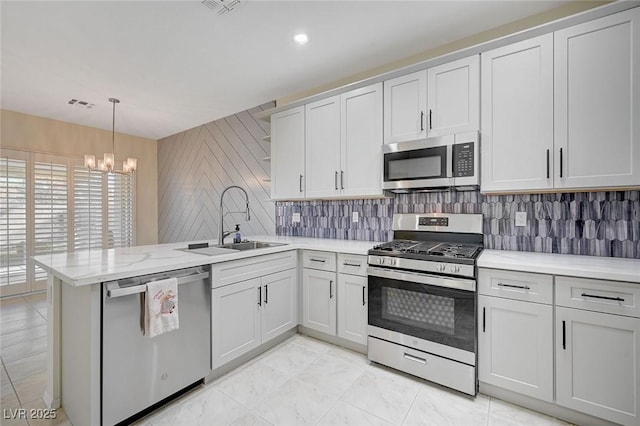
[15, 392]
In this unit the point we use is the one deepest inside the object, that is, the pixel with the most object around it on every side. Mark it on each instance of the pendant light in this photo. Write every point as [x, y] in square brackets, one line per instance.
[107, 163]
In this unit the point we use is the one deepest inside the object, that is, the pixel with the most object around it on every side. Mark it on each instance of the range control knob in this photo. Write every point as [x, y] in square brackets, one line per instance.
[381, 260]
[393, 262]
[441, 267]
[454, 269]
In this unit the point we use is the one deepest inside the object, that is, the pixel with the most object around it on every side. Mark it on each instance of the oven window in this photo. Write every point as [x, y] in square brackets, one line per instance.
[437, 314]
[419, 309]
[421, 167]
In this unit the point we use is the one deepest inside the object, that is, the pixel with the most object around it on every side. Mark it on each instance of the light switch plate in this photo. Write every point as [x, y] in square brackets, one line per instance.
[521, 218]
[354, 217]
[296, 218]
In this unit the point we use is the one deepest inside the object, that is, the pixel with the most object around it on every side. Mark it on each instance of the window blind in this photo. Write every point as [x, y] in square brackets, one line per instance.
[87, 206]
[50, 211]
[13, 221]
[120, 210]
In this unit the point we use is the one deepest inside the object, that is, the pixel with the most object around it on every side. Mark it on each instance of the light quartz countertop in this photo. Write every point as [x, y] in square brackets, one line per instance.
[608, 268]
[87, 267]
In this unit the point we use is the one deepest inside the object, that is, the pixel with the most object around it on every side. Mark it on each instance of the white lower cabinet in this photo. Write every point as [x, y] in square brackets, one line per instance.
[515, 336]
[319, 300]
[352, 298]
[334, 297]
[515, 343]
[248, 313]
[598, 353]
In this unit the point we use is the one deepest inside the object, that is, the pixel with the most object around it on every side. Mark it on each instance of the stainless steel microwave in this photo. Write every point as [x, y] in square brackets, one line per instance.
[433, 163]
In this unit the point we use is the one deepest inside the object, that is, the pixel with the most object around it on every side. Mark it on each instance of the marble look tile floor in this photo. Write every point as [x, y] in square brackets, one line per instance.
[302, 381]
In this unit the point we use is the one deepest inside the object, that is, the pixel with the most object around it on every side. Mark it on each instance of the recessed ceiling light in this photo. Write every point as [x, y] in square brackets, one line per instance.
[301, 38]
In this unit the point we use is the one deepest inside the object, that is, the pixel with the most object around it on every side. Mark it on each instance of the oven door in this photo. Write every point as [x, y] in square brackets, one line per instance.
[437, 313]
[416, 165]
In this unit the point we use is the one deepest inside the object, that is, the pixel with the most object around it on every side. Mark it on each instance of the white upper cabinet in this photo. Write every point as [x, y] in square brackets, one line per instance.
[560, 111]
[361, 136]
[344, 144]
[287, 154]
[453, 97]
[517, 116]
[405, 106]
[597, 102]
[322, 162]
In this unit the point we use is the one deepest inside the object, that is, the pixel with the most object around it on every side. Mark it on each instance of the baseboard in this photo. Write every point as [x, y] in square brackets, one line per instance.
[544, 407]
[334, 340]
[50, 402]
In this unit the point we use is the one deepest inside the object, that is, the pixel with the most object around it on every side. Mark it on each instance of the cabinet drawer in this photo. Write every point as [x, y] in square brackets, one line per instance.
[516, 285]
[322, 260]
[245, 269]
[611, 297]
[353, 264]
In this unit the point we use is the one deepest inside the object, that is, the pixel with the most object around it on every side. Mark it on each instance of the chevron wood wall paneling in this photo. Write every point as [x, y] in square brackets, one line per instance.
[196, 165]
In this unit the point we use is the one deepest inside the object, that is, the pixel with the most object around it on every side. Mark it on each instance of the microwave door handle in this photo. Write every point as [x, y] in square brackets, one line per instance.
[450, 163]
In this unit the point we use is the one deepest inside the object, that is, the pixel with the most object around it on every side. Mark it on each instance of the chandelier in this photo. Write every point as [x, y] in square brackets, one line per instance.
[107, 164]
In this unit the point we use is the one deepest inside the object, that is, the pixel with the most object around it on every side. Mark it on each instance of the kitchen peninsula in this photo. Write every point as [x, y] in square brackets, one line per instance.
[74, 294]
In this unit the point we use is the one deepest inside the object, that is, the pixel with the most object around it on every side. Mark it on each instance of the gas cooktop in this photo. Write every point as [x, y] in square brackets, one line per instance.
[429, 248]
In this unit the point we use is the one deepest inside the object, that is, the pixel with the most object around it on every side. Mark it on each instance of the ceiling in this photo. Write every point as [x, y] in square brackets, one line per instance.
[177, 64]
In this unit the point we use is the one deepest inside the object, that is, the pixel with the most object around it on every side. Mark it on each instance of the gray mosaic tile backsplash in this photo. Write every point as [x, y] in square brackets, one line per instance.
[590, 223]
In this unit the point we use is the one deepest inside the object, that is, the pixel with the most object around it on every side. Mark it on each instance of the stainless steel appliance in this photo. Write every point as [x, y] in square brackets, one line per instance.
[433, 163]
[139, 372]
[422, 298]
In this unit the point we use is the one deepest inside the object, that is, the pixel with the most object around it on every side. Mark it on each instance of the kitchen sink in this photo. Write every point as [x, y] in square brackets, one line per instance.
[229, 247]
[249, 245]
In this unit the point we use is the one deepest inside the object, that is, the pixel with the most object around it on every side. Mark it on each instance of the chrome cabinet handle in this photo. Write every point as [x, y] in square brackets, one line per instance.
[564, 335]
[317, 260]
[430, 121]
[523, 287]
[300, 183]
[330, 289]
[560, 162]
[364, 289]
[484, 319]
[357, 265]
[422, 121]
[266, 294]
[341, 179]
[260, 296]
[617, 299]
[335, 180]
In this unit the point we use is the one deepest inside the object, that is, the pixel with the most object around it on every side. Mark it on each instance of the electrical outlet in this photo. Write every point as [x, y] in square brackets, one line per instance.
[521, 218]
[354, 217]
[296, 218]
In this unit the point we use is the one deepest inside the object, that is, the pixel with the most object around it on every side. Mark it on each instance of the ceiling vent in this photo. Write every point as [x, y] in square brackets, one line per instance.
[221, 6]
[84, 104]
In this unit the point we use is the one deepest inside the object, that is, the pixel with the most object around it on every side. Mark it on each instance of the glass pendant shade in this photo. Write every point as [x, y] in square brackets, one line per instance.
[109, 160]
[90, 161]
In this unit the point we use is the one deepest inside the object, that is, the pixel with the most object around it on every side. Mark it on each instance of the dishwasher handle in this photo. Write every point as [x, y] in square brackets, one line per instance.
[126, 291]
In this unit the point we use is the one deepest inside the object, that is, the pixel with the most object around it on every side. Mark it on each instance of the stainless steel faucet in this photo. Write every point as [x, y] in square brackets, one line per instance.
[222, 234]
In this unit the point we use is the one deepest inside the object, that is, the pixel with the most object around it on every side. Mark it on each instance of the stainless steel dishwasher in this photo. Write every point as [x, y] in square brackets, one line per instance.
[138, 371]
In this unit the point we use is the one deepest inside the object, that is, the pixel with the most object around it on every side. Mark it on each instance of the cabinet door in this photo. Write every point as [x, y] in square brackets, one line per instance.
[279, 304]
[405, 104]
[361, 135]
[287, 154]
[597, 102]
[322, 157]
[319, 300]
[515, 346]
[453, 97]
[235, 316]
[517, 116]
[352, 308]
[597, 364]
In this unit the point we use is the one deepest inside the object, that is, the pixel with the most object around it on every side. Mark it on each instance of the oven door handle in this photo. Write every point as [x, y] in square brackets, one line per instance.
[416, 277]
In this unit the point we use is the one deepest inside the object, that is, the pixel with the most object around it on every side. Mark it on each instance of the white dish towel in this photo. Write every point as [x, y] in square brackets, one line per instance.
[161, 307]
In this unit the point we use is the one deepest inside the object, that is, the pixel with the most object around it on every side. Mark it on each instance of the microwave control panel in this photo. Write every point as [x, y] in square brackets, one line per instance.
[463, 159]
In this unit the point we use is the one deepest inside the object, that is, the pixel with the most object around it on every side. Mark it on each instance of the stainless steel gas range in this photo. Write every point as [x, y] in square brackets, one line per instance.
[422, 298]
